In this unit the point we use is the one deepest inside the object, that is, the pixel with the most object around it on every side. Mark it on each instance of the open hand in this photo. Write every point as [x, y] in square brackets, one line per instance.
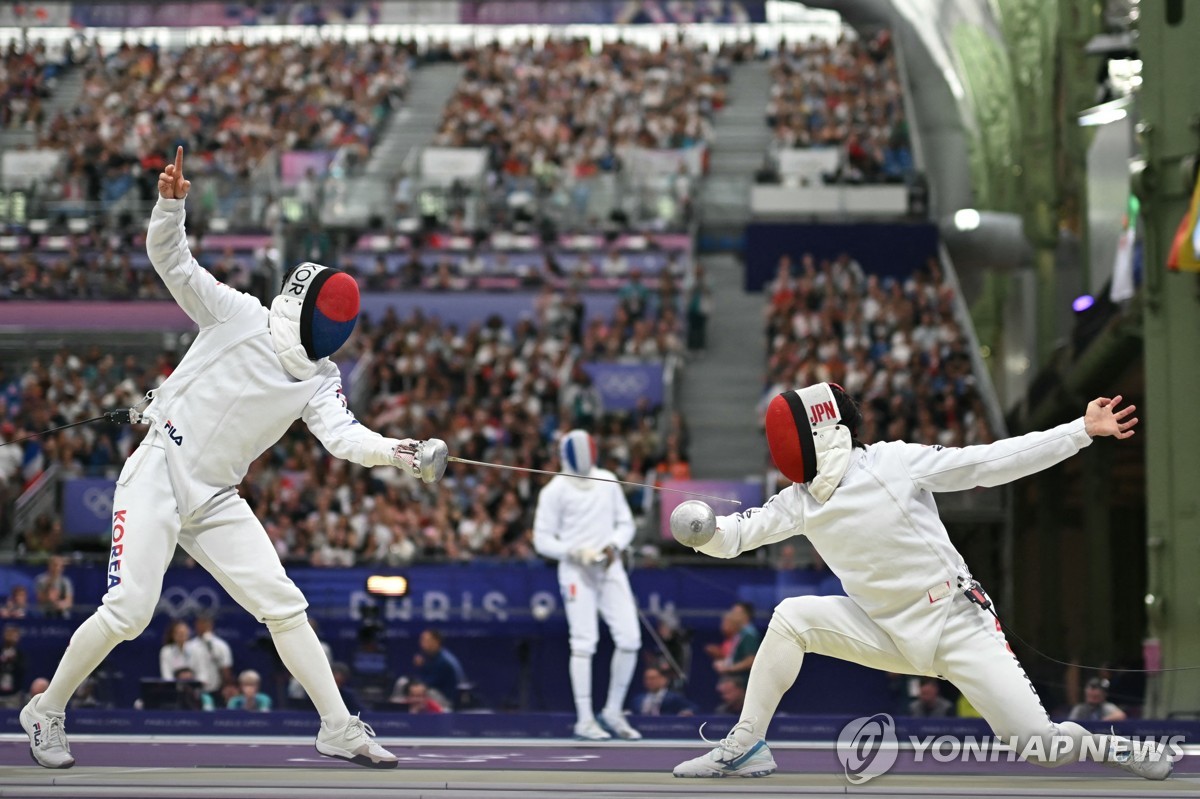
[1100, 420]
[171, 183]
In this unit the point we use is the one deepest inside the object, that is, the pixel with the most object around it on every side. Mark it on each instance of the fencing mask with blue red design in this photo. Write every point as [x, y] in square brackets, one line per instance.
[313, 316]
[810, 442]
[577, 450]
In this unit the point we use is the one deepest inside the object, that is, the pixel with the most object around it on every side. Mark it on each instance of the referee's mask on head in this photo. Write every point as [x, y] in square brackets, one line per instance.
[577, 451]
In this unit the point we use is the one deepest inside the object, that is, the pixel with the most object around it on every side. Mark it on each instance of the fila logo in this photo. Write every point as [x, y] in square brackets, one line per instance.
[820, 412]
[37, 734]
[173, 434]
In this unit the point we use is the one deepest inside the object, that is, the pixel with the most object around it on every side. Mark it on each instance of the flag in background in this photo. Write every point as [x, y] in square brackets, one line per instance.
[1183, 257]
[1123, 282]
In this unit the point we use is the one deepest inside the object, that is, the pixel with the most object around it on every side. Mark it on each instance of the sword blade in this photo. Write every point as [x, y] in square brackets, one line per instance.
[587, 477]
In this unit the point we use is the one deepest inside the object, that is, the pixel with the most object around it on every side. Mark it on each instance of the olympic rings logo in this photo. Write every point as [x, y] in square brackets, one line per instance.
[177, 602]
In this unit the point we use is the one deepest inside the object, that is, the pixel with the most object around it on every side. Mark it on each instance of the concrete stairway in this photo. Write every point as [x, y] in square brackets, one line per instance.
[721, 386]
[65, 95]
[740, 142]
[417, 122]
[365, 197]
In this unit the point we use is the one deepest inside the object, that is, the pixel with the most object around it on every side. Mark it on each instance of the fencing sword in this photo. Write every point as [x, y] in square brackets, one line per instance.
[431, 456]
[119, 416]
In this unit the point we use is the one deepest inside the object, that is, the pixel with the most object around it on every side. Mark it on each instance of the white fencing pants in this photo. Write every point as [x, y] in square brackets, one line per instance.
[972, 654]
[589, 592]
[223, 536]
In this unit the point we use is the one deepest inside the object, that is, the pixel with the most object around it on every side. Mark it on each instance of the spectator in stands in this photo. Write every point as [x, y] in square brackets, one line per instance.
[191, 693]
[38, 686]
[176, 652]
[249, 696]
[17, 604]
[211, 658]
[1095, 706]
[735, 655]
[437, 667]
[658, 699]
[929, 703]
[732, 690]
[54, 589]
[677, 640]
[699, 308]
[12, 667]
[416, 697]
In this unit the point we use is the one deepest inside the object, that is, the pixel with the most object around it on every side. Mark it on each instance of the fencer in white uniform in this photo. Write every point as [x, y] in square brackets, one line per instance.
[585, 525]
[912, 606]
[248, 375]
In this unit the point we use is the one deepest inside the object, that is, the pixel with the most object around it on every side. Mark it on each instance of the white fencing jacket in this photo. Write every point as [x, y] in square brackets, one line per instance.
[230, 397]
[880, 531]
[581, 514]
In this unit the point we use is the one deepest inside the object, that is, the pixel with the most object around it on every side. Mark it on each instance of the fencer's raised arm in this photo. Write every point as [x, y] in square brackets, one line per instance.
[782, 516]
[330, 419]
[207, 301]
[939, 469]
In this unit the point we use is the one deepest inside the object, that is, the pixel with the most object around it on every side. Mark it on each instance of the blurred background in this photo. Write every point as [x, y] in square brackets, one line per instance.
[640, 217]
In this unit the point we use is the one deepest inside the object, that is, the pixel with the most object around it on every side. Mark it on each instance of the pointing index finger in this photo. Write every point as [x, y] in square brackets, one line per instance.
[179, 161]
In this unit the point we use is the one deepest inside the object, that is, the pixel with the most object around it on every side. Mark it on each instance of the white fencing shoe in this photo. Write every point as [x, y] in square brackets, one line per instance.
[591, 730]
[47, 736]
[355, 743]
[1150, 761]
[619, 726]
[731, 759]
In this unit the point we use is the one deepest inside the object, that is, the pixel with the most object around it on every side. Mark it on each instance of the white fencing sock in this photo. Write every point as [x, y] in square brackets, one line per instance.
[301, 653]
[581, 686]
[624, 662]
[90, 644]
[775, 669]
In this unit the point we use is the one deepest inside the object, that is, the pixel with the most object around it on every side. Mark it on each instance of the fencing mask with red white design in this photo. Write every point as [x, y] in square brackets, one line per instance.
[809, 441]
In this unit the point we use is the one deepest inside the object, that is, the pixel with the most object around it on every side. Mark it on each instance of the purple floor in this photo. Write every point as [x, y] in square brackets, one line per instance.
[575, 757]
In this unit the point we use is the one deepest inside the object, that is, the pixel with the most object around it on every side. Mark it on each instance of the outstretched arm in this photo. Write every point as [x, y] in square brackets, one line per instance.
[959, 468]
[331, 420]
[781, 517]
[206, 300]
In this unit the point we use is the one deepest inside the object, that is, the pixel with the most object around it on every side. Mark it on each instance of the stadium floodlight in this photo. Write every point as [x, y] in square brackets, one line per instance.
[387, 585]
[966, 219]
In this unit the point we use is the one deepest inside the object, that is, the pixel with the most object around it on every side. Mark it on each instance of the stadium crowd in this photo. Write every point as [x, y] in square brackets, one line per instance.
[492, 392]
[26, 80]
[845, 95]
[893, 344]
[230, 104]
[556, 111]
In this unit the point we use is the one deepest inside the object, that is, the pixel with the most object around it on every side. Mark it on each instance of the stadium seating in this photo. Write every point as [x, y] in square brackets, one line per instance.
[842, 105]
[894, 345]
